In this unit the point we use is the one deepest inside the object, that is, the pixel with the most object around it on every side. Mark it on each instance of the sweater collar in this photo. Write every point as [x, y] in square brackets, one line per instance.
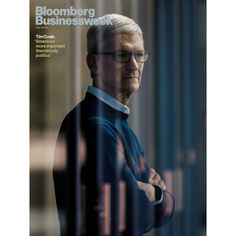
[109, 100]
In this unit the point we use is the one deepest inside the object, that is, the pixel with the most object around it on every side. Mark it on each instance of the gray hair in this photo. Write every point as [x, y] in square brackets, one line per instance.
[120, 24]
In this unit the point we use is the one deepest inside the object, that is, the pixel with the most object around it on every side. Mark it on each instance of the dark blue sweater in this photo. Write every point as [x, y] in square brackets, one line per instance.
[113, 156]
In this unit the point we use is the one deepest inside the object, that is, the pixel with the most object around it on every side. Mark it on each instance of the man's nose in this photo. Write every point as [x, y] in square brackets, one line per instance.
[133, 62]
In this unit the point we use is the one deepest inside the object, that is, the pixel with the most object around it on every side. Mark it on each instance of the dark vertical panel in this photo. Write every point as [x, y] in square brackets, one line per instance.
[164, 91]
[191, 183]
[164, 63]
[201, 142]
[178, 222]
[73, 181]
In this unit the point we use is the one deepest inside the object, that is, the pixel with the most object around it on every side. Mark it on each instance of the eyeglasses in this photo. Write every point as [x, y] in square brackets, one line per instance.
[124, 56]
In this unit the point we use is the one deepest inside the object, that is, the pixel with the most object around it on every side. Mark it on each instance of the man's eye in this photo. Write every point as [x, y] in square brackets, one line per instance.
[140, 54]
[121, 54]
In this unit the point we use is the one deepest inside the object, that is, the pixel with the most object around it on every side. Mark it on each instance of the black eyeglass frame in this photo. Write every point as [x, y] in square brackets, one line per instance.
[135, 53]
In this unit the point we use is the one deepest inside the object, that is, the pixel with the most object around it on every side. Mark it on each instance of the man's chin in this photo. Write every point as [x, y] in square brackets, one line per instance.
[131, 87]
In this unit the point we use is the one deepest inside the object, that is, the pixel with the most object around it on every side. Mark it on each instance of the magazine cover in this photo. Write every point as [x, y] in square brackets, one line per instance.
[117, 118]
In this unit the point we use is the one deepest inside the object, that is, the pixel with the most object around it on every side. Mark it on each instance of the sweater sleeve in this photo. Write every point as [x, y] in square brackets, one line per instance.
[164, 204]
[164, 208]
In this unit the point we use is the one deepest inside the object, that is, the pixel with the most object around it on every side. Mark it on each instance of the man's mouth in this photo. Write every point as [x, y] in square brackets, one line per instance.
[131, 77]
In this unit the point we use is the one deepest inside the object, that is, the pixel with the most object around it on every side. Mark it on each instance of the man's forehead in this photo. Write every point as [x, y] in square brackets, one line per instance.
[122, 40]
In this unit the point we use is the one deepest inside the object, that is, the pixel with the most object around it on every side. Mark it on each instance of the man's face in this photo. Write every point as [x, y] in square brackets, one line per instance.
[118, 78]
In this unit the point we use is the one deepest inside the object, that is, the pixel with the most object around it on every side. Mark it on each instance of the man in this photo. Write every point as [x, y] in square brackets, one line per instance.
[113, 192]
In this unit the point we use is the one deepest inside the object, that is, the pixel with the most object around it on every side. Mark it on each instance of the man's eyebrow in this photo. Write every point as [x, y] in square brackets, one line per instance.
[130, 50]
[122, 50]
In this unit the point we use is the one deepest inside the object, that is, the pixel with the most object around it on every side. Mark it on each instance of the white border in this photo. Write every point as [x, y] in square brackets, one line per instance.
[221, 113]
[14, 123]
[221, 124]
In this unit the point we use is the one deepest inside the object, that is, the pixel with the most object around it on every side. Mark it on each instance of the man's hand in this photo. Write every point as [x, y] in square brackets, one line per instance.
[155, 179]
[148, 189]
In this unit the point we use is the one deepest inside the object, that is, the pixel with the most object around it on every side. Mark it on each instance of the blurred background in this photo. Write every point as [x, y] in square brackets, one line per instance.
[168, 113]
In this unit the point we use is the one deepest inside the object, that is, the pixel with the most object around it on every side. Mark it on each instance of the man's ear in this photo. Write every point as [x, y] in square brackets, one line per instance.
[92, 63]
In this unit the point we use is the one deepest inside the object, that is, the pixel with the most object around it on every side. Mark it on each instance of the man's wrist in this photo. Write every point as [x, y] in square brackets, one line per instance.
[158, 195]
